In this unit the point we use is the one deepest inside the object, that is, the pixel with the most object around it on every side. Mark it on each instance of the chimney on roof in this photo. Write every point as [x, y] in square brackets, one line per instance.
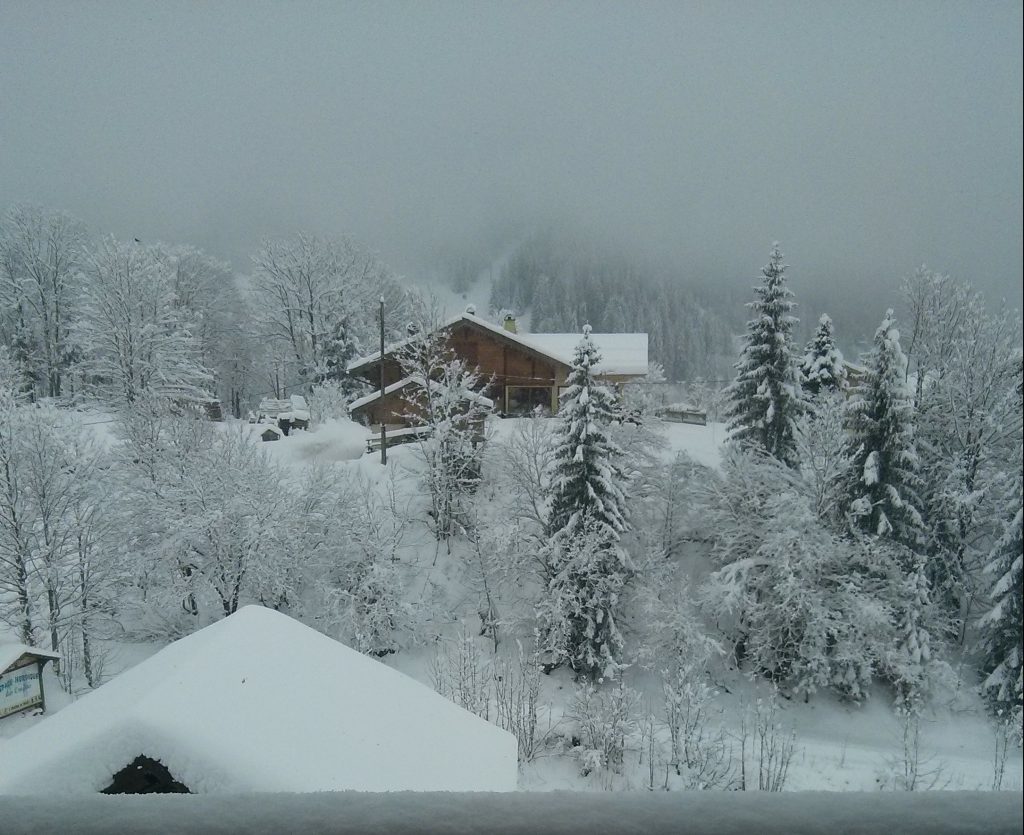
[510, 323]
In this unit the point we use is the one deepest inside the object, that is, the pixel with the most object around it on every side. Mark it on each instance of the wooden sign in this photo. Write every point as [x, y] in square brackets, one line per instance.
[20, 689]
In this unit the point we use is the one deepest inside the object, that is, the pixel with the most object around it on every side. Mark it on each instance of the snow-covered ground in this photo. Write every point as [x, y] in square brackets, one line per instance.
[838, 746]
[329, 442]
[702, 443]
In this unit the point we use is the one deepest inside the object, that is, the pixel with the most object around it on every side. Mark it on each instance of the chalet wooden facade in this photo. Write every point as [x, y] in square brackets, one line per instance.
[402, 403]
[525, 371]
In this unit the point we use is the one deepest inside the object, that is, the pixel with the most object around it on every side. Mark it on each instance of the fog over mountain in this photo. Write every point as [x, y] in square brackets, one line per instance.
[868, 138]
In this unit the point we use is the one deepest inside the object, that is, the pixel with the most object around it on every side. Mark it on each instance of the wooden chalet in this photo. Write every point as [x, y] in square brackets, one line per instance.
[525, 371]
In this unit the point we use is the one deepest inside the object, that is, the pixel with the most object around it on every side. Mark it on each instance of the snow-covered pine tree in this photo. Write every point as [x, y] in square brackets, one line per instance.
[822, 365]
[766, 399]
[587, 477]
[913, 652]
[586, 568]
[882, 489]
[578, 612]
[1002, 639]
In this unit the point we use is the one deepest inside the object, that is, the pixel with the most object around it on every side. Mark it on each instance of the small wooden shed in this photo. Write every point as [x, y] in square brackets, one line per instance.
[271, 433]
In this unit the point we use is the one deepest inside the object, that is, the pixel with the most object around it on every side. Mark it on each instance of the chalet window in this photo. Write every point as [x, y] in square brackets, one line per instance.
[523, 400]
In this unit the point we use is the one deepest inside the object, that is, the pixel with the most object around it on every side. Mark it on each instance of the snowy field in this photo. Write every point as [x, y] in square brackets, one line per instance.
[706, 813]
[839, 746]
[330, 442]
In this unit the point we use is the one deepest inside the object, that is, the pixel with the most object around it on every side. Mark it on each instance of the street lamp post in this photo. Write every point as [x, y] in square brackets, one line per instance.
[383, 429]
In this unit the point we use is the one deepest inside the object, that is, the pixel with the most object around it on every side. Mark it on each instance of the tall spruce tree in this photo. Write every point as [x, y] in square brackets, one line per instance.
[822, 367]
[341, 346]
[1002, 636]
[586, 568]
[587, 476]
[882, 488]
[910, 671]
[766, 399]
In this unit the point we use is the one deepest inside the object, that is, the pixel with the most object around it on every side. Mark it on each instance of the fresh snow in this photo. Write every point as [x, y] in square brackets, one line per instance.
[701, 443]
[261, 702]
[840, 746]
[327, 442]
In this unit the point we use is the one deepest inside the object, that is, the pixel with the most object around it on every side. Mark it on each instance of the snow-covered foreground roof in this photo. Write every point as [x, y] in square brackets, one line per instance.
[260, 702]
[555, 813]
[621, 353]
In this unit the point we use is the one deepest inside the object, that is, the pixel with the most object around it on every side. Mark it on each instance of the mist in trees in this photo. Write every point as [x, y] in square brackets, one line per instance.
[565, 283]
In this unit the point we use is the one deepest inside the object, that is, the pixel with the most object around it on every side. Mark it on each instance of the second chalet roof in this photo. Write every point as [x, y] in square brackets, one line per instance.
[621, 353]
[406, 381]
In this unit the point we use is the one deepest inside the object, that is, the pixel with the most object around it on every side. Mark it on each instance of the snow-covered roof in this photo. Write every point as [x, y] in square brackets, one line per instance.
[272, 405]
[10, 653]
[358, 403]
[405, 381]
[621, 353]
[294, 408]
[260, 702]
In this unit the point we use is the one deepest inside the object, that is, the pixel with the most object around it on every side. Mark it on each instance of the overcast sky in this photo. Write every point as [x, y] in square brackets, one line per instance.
[867, 137]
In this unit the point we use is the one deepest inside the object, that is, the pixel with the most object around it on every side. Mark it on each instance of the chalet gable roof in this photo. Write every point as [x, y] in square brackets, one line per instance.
[621, 353]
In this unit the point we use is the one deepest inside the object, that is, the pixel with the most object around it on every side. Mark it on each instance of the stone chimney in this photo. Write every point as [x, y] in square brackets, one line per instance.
[510, 323]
